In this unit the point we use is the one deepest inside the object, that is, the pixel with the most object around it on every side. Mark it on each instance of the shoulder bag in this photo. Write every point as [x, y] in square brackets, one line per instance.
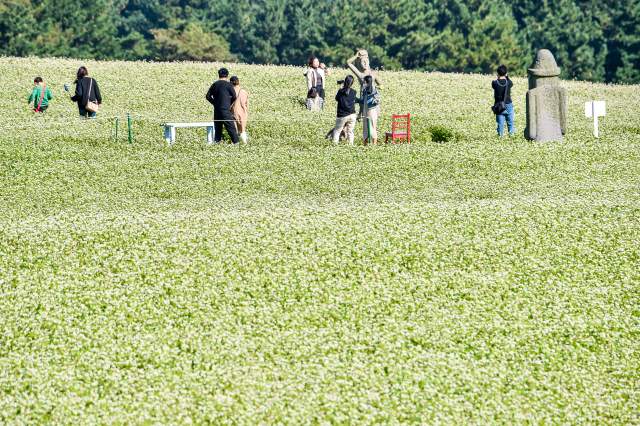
[91, 105]
[501, 106]
[37, 109]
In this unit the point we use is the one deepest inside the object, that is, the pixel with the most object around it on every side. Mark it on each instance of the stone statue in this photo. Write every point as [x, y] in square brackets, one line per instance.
[363, 68]
[546, 100]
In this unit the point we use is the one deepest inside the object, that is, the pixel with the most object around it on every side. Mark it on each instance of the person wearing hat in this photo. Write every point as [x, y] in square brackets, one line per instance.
[240, 108]
[222, 95]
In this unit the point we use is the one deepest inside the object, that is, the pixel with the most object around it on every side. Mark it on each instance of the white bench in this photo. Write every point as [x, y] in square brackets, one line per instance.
[170, 130]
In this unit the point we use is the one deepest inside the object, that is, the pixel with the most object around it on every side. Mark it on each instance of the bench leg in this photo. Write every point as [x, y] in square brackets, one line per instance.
[210, 135]
[173, 134]
[167, 135]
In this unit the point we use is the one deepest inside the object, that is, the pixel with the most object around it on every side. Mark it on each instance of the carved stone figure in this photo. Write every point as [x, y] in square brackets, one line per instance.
[546, 100]
[363, 67]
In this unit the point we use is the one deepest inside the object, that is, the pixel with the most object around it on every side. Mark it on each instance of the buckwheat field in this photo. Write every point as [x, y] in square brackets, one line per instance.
[462, 279]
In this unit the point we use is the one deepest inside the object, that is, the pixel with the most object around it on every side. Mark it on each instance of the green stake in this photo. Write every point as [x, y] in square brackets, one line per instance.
[129, 119]
[117, 129]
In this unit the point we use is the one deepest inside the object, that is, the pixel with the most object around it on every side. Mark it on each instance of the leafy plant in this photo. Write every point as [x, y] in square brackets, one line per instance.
[440, 134]
[191, 44]
[290, 281]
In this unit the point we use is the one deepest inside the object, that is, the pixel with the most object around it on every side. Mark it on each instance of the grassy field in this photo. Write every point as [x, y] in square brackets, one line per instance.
[476, 281]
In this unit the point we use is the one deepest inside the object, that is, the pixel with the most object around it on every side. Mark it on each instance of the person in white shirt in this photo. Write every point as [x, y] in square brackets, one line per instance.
[316, 75]
[314, 102]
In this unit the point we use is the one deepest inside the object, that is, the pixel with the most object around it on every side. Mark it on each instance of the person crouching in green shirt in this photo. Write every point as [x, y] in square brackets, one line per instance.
[40, 96]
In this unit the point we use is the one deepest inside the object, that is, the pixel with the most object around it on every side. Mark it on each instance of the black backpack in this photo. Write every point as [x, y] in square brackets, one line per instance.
[501, 106]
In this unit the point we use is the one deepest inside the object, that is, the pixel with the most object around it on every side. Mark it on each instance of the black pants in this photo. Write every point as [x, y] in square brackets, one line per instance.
[42, 108]
[224, 117]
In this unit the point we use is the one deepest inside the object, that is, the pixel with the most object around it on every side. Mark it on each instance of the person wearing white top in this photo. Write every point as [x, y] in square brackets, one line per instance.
[314, 102]
[316, 75]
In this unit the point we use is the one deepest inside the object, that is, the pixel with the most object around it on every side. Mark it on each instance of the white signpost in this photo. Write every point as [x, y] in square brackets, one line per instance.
[595, 110]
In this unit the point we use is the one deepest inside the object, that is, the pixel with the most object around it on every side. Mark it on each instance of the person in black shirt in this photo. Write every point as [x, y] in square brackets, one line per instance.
[346, 98]
[221, 95]
[86, 90]
[502, 83]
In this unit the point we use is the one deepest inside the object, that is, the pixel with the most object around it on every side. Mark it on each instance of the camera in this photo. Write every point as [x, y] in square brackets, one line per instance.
[340, 81]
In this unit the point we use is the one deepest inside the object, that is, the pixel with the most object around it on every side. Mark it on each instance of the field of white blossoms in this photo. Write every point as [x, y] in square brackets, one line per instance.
[464, 279]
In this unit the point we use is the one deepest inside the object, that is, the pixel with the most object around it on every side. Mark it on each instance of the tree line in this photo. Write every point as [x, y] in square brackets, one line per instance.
[594, 41]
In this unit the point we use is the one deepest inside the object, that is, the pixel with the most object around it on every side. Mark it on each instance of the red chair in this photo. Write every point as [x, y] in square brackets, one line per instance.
[402, 122]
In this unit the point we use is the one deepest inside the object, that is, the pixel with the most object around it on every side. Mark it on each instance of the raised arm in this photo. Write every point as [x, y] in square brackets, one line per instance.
[353, 68]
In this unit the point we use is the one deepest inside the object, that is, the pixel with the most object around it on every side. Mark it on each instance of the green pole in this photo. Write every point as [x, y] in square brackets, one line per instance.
[369, 128]
[129, 120]
[365, 109]
[117, 130]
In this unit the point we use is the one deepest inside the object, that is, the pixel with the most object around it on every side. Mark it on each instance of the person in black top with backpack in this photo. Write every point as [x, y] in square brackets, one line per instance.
[346, 98]
[503, 107]
[222, 95]
[87, 94]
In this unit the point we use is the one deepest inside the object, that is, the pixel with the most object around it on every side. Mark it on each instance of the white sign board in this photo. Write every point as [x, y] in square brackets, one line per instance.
[595, 110]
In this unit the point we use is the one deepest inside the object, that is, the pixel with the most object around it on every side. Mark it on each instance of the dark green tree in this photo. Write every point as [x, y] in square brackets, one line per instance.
[596, 41]
[18, 29]
[571, 30]
[622, 31]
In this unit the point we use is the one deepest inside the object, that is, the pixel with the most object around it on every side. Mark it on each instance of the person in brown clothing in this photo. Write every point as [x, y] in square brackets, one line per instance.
[240, 108]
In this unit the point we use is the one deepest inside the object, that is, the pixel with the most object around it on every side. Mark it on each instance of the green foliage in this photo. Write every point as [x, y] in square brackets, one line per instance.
[191, 44]
[623, 59]
[572, 30]
[17, 29]
[440, 133]
[594, 41]
[482, 281]
[83, 28]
